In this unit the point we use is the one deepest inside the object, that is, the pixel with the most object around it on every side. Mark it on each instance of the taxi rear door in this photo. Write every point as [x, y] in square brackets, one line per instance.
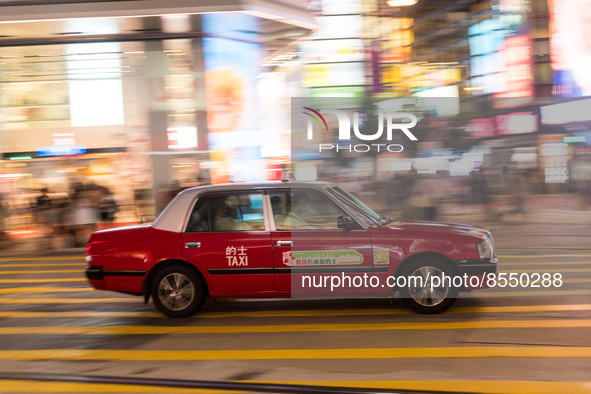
[226, 236]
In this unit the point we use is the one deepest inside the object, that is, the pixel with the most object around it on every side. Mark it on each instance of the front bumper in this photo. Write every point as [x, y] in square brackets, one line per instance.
[478, 266]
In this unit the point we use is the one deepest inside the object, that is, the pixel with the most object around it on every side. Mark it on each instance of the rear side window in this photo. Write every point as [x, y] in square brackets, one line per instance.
[227, 212]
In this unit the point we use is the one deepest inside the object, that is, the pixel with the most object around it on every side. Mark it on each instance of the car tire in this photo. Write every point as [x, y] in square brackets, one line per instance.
[178, 291]
[428, 299]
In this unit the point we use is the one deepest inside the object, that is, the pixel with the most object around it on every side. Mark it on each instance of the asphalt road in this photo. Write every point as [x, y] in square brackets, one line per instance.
[496, 341]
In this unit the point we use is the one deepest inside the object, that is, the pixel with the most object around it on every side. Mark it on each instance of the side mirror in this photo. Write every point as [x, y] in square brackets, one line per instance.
[345, 222]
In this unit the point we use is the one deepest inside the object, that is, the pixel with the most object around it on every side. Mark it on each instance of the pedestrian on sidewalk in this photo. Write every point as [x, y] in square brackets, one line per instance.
[83, 215]
[107, 206]
[4, 214]
[44, 217]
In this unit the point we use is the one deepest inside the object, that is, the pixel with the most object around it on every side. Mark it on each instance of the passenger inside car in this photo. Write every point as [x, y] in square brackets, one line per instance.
[279, 211]
[223, 221]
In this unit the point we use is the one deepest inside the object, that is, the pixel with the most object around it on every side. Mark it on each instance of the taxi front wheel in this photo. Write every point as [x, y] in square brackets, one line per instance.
[425, 292]
[178, 291]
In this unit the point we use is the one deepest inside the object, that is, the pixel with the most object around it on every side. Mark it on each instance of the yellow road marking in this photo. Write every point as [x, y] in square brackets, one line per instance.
[470, 386]
[484, 293]
[27, 386]
[65, 300]
[480, 386]
[34, 289]
[28, 290]
[577, 280]
[533, 256]
[79, 315]
[532, 293]
[45, 280]
[301, 313]
[473, 386]
[79, 257]
[556, 263]
[81, 271]
[157, 330]
[20, 272]
[299, 354]
[549, 270]
[82, 264]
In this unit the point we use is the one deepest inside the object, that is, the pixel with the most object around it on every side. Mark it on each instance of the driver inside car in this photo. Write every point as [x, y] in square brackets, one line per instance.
[299, 201]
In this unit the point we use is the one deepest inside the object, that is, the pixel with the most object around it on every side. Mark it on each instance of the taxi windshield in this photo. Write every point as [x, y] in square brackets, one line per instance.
[353, 203]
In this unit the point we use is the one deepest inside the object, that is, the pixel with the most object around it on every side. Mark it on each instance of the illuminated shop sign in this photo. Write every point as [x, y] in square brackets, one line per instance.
[518, 68]
[555, 158]
[182, 137]
[61, 151]
[407, 79]
[486, 40]
[575, 139]
[574, 111]
[506, 124]
[517, 123]
[570, 48]
[330, 51]
[481, 128]
[514, 6]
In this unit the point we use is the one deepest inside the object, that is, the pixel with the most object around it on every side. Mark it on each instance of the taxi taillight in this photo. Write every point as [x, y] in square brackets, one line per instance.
[89, 252]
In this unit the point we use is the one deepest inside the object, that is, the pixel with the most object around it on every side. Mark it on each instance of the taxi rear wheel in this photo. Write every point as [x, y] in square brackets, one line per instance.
[422, 293]
[178, 291]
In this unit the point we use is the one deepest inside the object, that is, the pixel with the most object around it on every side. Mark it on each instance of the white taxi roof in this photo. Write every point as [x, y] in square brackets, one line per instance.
[173, 216]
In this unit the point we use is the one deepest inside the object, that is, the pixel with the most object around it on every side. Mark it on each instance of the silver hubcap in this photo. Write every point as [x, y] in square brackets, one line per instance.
[176, 291]
[423, 291]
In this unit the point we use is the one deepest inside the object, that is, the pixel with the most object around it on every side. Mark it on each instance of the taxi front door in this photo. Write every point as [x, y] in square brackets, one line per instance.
[312, 256]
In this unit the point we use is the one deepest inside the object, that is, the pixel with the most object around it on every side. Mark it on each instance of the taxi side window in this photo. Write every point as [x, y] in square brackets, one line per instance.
[304, 210]
[228, 212]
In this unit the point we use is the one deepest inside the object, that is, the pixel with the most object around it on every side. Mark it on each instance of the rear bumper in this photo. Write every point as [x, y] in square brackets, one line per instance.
[95, 273]
[126, 281]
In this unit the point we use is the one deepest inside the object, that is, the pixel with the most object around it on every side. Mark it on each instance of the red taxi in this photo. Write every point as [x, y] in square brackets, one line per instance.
[287, 239]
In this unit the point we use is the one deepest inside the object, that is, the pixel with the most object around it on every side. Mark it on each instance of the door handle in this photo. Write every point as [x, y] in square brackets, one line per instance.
[192, 245]
[284, 243]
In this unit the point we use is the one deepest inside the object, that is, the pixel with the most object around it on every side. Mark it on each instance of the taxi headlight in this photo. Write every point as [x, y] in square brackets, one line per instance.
[485, 249]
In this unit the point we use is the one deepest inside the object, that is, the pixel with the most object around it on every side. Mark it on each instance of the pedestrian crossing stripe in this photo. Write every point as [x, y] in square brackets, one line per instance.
[57, 271]
[283, 328]
[543, 263]
[35, 289]
[49, 258]
[302, 313]
[156, 330]
[468, 386]
[550, 292]
[32, 289]
[548, 270]
[66, 300]
[44, 280]
[541, 256]
[81, 264]
[299, 354]
[27, 386]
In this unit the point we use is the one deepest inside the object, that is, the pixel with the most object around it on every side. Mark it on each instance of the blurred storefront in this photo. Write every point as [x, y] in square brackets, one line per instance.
[146, 101]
